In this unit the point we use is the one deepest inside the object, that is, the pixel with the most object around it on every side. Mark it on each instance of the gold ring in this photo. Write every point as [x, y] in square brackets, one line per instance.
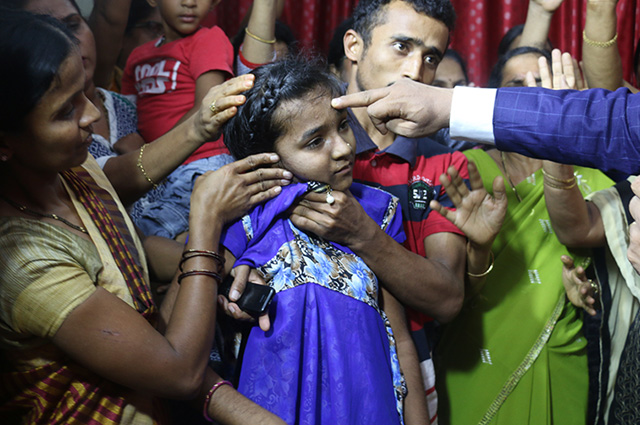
[213, 108]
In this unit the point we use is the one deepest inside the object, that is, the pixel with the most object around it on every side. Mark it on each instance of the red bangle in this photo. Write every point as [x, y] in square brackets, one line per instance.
[209, 395]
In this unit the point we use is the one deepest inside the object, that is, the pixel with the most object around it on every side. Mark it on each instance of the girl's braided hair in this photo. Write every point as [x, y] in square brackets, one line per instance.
[257, 125]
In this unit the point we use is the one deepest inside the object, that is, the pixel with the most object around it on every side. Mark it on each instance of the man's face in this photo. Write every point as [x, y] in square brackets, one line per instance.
[405, 44]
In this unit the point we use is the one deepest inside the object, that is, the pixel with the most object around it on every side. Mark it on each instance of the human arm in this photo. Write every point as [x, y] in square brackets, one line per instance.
[576, 222]
[104, 333]
[431, 285]
[536, 27]
[558, 125]
[416, 409]
[603, 65]
[204, 83]
[262, 22]
[479, 215]
[108, 21]
[170, 150]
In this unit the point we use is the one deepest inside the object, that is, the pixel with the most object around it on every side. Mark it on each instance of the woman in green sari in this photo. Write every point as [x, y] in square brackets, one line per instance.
[516, 353]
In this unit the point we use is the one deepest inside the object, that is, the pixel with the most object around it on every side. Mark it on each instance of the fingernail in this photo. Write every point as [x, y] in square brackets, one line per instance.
[287, 174]
[335, 102]
[274, 157]
[277, 189]
[248, 83]
[232, 309]
[234, 295]
[285, 182]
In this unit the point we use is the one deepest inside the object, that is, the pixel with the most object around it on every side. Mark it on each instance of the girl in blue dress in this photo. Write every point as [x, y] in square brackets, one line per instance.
[337, 341]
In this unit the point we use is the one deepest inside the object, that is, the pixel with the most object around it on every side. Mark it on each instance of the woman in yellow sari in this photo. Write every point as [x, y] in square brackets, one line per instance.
[81, 340]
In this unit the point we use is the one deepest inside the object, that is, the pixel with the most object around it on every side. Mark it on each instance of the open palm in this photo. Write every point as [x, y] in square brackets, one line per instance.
[478, 214]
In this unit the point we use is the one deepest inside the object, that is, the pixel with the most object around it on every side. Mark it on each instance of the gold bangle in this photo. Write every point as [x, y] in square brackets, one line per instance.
[556, 179]
[486, 272]
[559, 186]
[144, 173]
[594, 43]
[255, 37]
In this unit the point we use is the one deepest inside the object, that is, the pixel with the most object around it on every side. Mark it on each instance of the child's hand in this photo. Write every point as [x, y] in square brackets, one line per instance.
[580, 290]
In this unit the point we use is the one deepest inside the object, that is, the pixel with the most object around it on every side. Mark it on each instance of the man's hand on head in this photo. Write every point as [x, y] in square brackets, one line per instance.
[407, 108]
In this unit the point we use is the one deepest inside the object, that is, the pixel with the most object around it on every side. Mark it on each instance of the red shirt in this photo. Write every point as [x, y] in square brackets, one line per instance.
[163, 78]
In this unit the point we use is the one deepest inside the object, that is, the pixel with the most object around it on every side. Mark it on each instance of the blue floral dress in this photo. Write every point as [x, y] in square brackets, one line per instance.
[330, 355]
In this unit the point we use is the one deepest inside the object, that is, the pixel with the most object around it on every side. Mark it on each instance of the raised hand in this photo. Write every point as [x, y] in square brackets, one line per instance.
[566, 73]
[580, 290]
[478, 214]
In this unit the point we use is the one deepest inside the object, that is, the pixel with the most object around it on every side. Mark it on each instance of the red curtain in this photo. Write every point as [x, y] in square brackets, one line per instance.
[479, 27]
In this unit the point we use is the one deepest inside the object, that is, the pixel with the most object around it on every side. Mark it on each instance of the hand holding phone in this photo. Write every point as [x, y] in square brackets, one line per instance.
[255, 298]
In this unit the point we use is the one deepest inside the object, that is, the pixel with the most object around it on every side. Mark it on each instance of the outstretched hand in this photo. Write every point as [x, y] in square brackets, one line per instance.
[581, 291]
[478, 214]
[406, 107]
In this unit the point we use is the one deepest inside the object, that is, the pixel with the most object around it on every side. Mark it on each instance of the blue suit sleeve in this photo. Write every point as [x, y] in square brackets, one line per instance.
[592, 128]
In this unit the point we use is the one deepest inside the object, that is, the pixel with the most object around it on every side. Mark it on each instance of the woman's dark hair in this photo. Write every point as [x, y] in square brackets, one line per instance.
[22, 4]
[368, 14]
[495, 79]
[510, 36]
[636, 62]
[33, 48]
[256, 126]
[453, 54]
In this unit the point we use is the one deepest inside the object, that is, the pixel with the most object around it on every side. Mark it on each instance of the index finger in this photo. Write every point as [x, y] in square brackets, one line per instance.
[356, 100]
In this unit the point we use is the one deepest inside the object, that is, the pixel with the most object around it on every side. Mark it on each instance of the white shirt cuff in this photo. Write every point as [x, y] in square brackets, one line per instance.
[472, 114]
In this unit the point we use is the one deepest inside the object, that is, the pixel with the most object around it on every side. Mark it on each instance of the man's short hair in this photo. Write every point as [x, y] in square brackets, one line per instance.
[369, 13]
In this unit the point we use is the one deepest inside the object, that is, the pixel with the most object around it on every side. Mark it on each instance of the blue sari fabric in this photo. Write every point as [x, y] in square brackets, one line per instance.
[330, 356]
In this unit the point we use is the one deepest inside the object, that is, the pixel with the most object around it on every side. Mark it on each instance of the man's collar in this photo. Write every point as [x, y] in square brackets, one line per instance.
[402, 147]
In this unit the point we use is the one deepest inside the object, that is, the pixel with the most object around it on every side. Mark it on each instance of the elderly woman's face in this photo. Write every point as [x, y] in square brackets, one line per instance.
[65, 11]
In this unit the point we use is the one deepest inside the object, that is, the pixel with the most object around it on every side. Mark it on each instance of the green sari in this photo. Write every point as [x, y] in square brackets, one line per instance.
[516, 353]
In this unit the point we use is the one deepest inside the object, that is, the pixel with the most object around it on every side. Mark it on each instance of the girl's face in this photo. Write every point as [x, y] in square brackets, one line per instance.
[57, 132]
[317, 143]
[64, 11]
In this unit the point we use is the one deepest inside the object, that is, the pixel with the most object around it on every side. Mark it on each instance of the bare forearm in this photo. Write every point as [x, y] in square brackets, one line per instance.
[536, 27]
[229, 407]
[261, 24]
[416, 409]
[423, 284]
[572, 218]
[603, 66]
[108, 21]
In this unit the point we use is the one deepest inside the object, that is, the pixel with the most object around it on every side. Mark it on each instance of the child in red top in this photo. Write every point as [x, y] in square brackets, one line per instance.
[168, 78]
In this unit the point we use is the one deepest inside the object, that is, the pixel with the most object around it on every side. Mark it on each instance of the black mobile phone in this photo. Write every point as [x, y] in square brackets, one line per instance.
[255, 299]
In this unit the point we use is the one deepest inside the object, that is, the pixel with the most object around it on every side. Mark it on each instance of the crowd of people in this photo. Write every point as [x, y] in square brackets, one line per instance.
[207, 227]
